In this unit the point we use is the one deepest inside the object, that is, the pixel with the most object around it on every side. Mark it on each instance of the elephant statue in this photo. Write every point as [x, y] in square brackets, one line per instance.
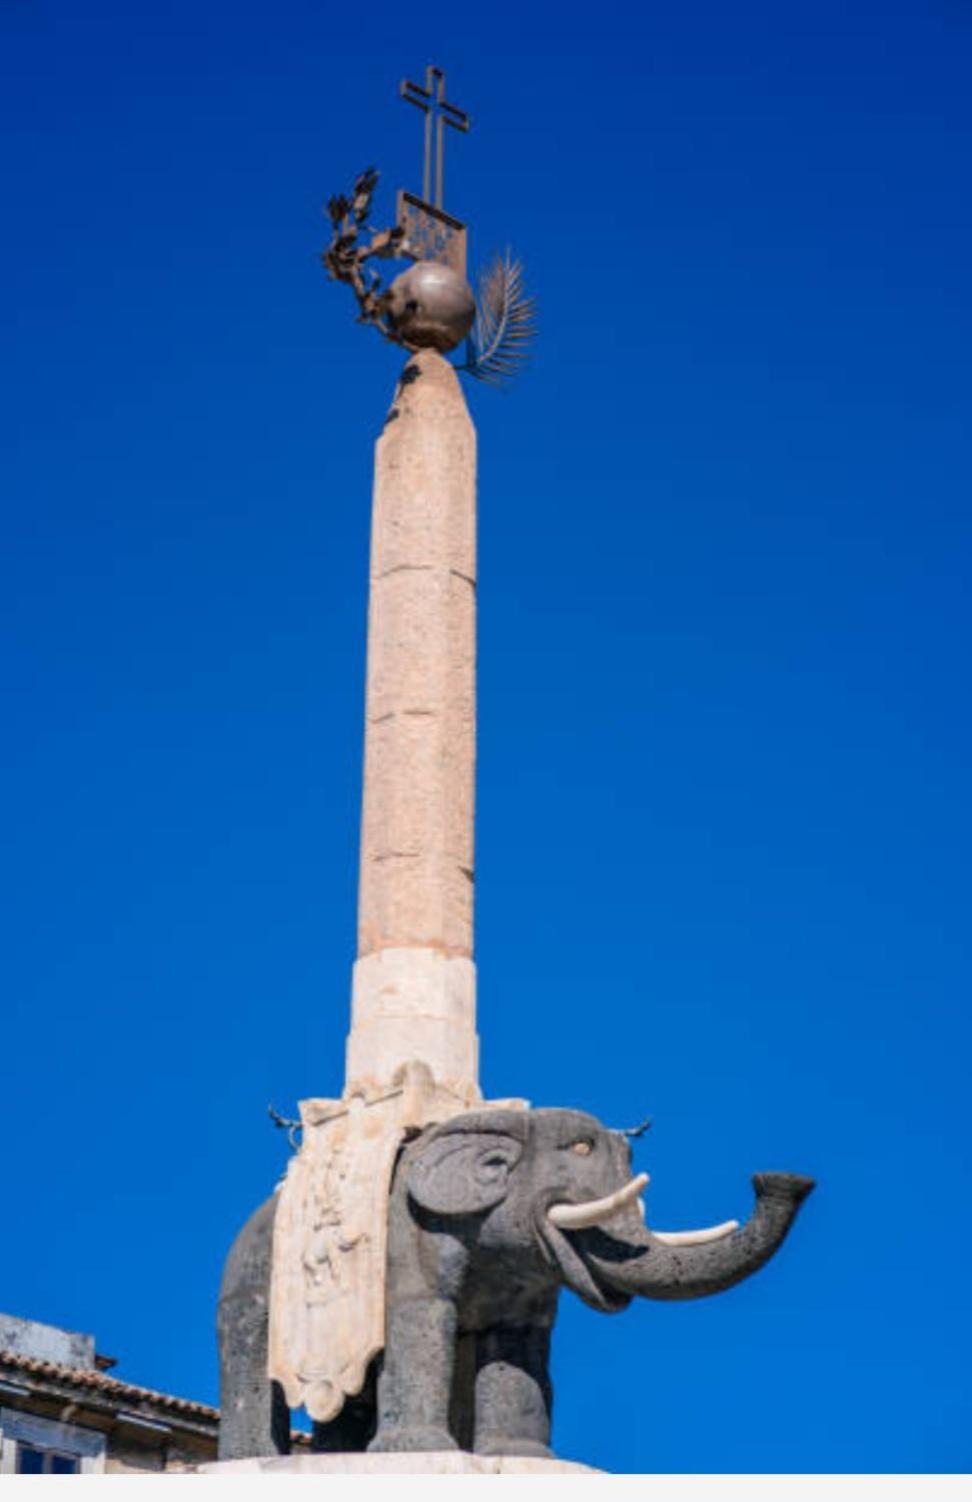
[491, 1213]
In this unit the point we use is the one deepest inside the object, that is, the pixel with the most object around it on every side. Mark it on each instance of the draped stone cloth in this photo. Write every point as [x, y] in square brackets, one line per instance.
[327, 1289]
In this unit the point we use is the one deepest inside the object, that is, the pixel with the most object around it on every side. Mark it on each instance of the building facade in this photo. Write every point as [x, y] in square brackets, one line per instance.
[63, 1413]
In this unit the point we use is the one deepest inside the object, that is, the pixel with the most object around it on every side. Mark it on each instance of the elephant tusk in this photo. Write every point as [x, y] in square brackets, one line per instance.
[595, 1212]
[697, 1238]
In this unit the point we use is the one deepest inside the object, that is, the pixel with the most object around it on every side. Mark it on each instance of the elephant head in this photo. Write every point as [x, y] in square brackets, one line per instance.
[558, 1185]
[492, 1213]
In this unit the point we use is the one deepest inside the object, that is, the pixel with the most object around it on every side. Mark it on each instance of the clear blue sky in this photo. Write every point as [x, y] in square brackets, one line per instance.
[724, 818]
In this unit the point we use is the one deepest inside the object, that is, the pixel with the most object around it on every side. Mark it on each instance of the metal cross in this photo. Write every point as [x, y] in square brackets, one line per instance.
[431, 100]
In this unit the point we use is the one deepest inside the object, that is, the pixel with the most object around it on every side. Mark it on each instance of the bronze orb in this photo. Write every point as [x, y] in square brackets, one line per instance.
[430, 306]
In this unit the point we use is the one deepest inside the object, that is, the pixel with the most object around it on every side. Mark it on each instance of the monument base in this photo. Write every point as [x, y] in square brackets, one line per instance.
[411, 1463]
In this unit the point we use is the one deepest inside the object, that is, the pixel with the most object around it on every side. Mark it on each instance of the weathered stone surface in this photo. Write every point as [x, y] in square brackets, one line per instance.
[412, 1053]
[416, 877]
[414, 990]
[327, 1273]
[450, 1248]
[252, 1416]
[27, 1337]
[474, 1250]
[414, 1004]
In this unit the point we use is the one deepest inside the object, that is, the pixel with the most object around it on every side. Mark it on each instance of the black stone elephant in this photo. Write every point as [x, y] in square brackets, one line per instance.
[491, 1214]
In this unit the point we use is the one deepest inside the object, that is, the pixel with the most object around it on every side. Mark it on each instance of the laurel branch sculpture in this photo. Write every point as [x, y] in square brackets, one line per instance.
[504, 322]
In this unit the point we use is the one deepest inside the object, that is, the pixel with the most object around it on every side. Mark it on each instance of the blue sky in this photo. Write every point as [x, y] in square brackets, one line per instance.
[724, 822]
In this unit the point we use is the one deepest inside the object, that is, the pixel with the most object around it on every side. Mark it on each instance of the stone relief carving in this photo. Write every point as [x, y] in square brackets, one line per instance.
[327, 1292]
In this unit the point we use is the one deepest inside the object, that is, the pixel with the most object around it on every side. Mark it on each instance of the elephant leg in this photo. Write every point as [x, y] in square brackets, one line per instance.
[462, 1409]
[514, 1398]
[254, 1417]
[416, 1379]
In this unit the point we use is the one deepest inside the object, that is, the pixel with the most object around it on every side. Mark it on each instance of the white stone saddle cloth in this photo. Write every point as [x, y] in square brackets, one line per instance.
[327, 1288]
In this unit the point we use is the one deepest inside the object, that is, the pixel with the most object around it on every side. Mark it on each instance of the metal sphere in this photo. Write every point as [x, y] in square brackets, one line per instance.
[430, 306]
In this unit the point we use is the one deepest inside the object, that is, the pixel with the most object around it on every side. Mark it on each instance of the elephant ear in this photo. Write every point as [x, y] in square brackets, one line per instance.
[464, 1167]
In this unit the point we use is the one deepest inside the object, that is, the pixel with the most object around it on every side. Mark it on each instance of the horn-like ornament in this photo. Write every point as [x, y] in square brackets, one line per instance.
[596, 1212]
[697, 1238]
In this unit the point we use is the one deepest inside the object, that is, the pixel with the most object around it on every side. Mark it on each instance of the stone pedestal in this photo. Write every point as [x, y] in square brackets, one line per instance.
[414, 1004]
[438, 1462]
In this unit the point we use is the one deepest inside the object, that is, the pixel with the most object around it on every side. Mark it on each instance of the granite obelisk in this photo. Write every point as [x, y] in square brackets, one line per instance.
[414, 991]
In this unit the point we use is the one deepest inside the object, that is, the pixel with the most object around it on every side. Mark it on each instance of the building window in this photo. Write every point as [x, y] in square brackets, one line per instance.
[34, 1462]
[35, 1446]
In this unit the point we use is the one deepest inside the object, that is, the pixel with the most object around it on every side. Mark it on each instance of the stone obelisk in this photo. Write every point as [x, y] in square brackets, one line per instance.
[414, 989]
[412, 1048]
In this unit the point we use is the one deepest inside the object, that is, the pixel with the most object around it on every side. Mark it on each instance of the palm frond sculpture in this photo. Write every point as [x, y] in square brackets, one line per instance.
[505, 323]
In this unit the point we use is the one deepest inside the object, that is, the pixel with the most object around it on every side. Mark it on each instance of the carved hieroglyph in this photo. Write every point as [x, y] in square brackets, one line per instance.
[327, 1292]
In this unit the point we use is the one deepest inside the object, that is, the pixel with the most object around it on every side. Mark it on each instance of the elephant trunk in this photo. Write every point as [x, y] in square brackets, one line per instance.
[642, 1265]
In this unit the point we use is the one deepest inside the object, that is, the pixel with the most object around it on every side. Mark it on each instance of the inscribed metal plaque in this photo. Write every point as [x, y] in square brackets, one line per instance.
[430, 233]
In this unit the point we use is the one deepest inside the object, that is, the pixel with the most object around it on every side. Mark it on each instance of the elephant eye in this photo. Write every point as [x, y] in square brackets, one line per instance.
[583, 1149]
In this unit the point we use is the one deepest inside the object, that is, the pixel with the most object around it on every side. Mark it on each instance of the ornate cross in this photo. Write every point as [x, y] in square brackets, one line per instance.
[431, 100]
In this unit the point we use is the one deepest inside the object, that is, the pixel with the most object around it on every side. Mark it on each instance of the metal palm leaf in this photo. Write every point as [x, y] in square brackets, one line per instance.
[505, 323]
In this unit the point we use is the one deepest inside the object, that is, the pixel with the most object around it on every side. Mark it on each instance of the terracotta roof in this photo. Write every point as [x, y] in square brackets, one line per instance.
[81, 1376]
